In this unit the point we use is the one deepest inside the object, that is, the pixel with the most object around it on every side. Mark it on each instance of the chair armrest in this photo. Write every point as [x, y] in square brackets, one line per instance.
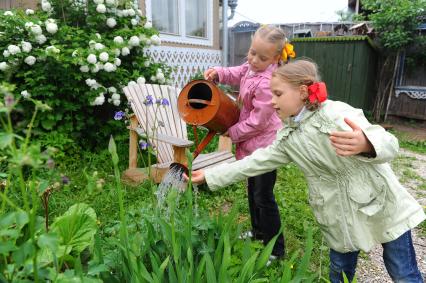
[164, 138]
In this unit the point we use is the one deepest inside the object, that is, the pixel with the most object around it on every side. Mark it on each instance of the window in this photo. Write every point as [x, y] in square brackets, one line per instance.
[165, 16]
[182, 21]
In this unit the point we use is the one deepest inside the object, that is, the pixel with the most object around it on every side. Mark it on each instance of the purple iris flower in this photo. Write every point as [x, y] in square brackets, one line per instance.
[165, 102]
[143, 145]
[149, 100]
[119, 115]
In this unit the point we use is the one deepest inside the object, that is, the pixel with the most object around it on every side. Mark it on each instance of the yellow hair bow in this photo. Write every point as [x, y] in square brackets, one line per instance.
[288, 51]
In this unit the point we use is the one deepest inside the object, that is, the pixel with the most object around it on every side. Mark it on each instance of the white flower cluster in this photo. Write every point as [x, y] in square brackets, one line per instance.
[52, 50]
[46, 6]
[25, 94]
[159, 77]
[37, 32]
[51, 26]
[26, 46]
[141, 80]
[92, 83]
[115, 97]
[13, 49]
[3, 66]
[111, 22]
[29, 12]
[99, 100]
[30, 60]
[8, 13]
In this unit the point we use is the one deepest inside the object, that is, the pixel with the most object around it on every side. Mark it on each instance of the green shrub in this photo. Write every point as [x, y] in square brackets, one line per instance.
[76, 56]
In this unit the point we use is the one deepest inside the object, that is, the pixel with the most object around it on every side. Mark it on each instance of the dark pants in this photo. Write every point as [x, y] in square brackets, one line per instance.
[265, 216]
[398, 255]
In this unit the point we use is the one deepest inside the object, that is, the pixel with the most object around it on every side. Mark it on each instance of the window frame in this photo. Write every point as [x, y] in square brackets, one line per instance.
[182, 37]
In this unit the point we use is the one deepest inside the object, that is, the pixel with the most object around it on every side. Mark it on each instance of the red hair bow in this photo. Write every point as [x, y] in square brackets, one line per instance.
[317, 92]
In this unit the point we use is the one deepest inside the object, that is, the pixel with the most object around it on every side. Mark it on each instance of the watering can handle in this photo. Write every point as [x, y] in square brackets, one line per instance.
[201, 101]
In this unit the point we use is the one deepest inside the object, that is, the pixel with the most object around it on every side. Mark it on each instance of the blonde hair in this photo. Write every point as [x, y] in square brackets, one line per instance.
[272, 34]
[300, 72]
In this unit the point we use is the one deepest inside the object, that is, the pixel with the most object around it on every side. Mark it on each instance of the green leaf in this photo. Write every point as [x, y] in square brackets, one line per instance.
[50, 241]
[264, 256]
[23, 253]
[210, 271]
[76, 227]
[7, 247]
[112, 148]
[248, 268]
[6, 140]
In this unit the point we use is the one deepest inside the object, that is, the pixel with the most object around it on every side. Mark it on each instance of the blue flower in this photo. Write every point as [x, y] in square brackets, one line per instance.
[119, 115]
[162, 101]
[149, 100]
[165, 102]
[143, 144]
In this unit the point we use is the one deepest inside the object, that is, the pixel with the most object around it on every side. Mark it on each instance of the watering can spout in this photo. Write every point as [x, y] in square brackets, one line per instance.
[179, 168]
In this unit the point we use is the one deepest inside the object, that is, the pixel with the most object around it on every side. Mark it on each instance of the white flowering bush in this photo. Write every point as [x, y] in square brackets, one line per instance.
[76, 56]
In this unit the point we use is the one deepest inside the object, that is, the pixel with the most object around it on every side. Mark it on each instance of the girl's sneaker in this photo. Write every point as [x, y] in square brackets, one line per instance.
[273, 258]
[246, 235]
[250, 235]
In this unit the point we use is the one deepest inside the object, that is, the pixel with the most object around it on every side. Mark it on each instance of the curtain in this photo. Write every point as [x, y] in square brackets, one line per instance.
[196, 18]
[165, 16]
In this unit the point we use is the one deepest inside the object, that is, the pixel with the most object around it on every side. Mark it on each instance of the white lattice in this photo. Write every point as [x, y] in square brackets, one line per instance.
[413, 92]
[186, 62]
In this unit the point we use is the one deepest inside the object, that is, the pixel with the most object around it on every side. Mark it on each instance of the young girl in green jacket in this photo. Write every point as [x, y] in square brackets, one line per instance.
[356, 198]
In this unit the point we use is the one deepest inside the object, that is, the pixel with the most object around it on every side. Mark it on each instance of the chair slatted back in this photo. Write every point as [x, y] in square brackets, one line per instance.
[150, 117]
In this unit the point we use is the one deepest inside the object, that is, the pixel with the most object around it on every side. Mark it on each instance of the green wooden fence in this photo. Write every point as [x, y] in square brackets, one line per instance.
[348, 65]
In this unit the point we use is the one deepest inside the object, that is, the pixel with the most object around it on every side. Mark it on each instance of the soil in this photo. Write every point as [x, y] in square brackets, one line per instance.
[370, 266]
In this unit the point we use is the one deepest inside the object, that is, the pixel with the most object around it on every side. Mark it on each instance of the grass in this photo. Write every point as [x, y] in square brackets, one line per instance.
[405, 141]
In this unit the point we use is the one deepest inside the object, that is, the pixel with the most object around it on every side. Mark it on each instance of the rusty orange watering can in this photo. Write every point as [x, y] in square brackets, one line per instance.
[203, 103]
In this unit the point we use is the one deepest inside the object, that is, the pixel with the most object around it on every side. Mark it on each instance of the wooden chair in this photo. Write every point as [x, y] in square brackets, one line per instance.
[168, 134]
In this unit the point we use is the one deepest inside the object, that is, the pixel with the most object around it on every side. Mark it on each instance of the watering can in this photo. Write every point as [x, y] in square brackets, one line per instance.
[203, 103]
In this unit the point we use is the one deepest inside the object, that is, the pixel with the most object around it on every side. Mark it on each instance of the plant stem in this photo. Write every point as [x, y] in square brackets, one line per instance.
[30, 127]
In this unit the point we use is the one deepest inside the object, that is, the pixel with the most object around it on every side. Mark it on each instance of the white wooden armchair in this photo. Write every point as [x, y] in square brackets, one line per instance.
[170, 139]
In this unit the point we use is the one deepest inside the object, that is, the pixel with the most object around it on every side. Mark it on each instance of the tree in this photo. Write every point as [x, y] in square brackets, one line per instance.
[395, 22]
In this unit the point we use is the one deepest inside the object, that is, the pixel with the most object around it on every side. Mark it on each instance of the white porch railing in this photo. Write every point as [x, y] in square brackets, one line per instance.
[186, 62]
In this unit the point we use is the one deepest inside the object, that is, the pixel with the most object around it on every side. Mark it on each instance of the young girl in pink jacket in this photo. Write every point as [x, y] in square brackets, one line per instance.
[257, 125]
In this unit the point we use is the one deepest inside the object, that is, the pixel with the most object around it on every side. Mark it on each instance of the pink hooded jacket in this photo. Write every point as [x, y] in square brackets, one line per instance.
[258, 122]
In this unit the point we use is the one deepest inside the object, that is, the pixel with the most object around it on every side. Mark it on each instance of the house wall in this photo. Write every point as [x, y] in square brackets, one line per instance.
[23, 4]
[186, 60]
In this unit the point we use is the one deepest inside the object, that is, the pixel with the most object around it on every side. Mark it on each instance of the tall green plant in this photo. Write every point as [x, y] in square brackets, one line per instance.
[76, 55]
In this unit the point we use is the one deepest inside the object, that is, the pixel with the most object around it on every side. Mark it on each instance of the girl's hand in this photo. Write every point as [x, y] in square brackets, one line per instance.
[351, 143]
[197, 177]
[211, 75]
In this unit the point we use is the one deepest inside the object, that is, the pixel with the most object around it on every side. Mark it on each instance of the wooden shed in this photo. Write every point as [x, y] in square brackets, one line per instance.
[409, 96]
[348, 64]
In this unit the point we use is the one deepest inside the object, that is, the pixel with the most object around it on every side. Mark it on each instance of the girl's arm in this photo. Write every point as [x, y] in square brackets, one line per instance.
[260, 161]
[259, 118]
[231, 75]
[367, 142]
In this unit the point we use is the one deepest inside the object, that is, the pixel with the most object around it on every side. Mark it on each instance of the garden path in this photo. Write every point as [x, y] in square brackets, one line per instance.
[370, 266]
